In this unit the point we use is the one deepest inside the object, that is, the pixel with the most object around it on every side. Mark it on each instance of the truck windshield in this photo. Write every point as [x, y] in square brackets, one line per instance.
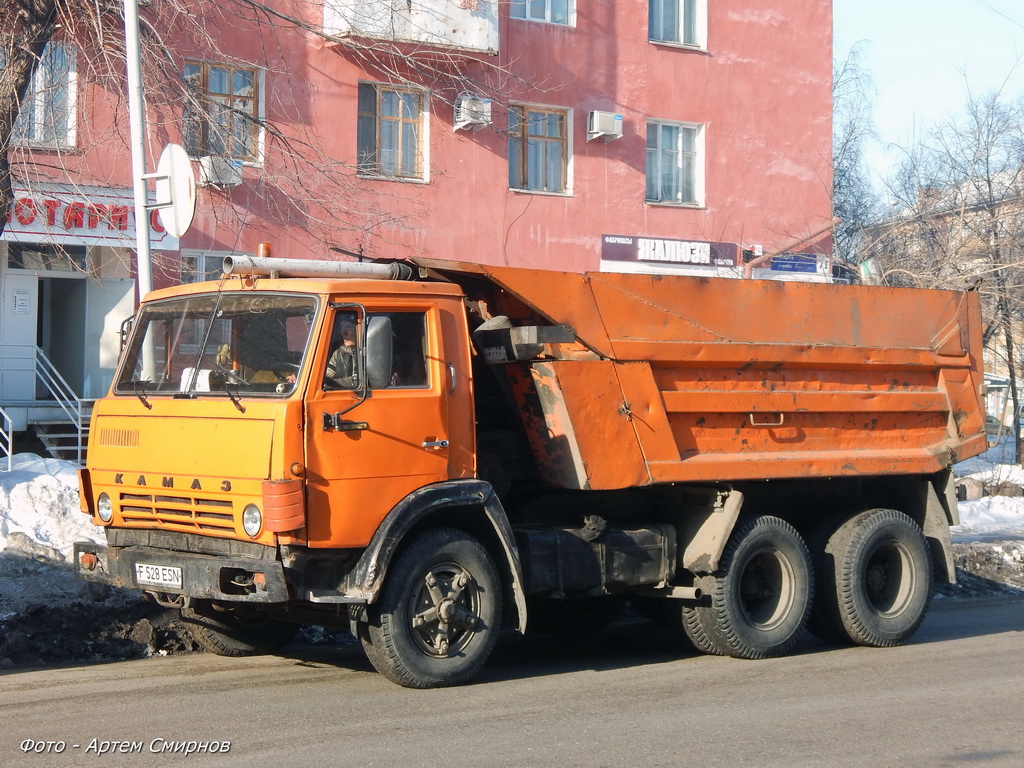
[231, 344]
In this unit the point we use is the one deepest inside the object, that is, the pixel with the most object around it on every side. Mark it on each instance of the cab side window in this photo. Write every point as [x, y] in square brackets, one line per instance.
[343, 363]
[409, 349]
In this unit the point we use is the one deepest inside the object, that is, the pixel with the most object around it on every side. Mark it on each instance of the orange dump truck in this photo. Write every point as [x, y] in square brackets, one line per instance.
[425, 454]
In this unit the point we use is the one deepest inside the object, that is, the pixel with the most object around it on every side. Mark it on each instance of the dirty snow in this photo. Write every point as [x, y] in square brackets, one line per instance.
[39, 501]
[991, 517]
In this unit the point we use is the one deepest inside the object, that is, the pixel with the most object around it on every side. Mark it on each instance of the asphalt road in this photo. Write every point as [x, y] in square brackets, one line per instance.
[953, 697]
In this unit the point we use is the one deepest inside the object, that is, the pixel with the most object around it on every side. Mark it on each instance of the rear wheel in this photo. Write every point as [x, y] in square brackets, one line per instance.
[235, 631]
[761, 601]
[696, 620]
[881, 578]
[438, 615]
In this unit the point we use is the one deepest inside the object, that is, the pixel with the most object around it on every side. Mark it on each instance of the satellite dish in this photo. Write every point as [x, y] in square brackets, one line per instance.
[175, 190]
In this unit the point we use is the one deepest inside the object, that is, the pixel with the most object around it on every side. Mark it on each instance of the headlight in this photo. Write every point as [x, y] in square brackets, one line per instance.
[104, 508]
[252, 520]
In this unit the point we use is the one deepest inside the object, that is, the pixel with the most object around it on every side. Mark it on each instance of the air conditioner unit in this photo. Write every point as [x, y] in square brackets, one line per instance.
[219, 171]
[607, 124]
[472, 110]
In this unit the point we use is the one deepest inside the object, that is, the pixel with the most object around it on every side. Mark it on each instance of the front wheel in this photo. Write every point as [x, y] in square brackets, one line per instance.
[438, 615]
[235, 631]
[761, 600]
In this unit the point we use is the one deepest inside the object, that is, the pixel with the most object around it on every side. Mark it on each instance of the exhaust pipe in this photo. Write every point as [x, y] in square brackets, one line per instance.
[266, 265]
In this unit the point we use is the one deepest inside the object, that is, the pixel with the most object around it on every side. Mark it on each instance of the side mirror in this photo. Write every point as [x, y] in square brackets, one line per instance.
[378, 352]
[125, 330]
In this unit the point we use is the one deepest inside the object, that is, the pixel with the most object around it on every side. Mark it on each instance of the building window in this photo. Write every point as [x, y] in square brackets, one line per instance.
[222, 117]
[538, 149]
[46, 257]
[678, 21]
[47, 116]
[197, 266]
[389, 131]
[675, 162]
[553, 11]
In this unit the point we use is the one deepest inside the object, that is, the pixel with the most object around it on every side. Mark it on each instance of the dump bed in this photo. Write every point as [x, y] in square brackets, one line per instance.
[661, 379]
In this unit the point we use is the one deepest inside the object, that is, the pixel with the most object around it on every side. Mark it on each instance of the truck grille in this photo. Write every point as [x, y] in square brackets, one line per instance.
[182, 513]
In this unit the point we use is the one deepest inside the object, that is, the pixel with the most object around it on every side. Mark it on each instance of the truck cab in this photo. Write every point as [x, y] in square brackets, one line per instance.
[259, 432]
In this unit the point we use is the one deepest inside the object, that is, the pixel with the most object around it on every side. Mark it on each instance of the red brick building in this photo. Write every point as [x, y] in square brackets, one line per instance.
[563, 134]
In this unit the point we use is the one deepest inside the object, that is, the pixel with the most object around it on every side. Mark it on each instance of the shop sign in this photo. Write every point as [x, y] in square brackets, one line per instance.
[79, 215]
[637, 252]
[807, 263]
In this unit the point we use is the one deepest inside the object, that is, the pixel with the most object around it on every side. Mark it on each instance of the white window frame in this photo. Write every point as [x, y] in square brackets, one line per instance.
[207, 265]
[685, 35]
[423, 138]
[675, 156]
[40, 133]
[567, 189]
[523, 9]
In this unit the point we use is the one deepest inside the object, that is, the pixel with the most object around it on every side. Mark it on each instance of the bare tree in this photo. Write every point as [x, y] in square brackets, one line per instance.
[30, 24]
[960, 223]
[854, 200]
[303, 182]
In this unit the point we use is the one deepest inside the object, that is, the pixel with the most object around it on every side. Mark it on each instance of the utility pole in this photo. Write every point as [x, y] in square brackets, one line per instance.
[137, 124]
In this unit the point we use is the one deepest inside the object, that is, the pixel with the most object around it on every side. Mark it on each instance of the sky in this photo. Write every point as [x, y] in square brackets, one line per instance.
[925, 58]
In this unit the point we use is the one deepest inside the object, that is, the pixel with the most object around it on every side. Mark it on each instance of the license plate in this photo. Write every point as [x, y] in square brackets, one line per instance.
[158, 575]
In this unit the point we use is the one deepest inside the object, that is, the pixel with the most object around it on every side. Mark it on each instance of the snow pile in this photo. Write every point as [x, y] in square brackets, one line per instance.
[991, 516]
[39, 506]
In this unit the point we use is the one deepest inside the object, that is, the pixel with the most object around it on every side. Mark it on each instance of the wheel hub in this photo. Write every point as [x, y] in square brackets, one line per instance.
[444, 610]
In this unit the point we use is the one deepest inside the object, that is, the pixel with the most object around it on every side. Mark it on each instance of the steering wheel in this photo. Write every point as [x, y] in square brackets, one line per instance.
[282, 371]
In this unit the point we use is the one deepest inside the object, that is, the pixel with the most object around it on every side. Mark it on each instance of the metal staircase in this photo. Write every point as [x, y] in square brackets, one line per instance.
[60, 419]
[67, 435]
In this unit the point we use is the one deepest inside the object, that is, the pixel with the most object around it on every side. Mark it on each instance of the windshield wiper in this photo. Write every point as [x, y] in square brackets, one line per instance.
[236, 397]
[140, 392]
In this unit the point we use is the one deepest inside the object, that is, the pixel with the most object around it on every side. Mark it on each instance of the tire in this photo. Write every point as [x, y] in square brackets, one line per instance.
[443, 572]
[679, 619]
[696, 620]
[241, 631]
[761, 600]
[881, 578]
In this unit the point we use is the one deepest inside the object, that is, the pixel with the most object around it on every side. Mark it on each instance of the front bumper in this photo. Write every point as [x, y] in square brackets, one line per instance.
[206, 577]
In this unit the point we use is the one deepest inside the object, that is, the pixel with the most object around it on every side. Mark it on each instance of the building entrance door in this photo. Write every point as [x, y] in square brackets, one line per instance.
[19, 320]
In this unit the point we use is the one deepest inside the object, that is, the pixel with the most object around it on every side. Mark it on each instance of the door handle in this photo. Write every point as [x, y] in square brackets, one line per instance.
[434, 444]
[451, 373]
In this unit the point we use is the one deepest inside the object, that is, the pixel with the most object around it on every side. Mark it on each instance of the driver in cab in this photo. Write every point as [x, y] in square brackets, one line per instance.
[342, 365]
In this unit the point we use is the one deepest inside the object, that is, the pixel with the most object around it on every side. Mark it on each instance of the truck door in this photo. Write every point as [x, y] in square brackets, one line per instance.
[362, 460]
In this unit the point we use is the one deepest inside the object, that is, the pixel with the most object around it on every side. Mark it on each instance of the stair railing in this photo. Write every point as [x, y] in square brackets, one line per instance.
[6, 436]
[64, 396]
